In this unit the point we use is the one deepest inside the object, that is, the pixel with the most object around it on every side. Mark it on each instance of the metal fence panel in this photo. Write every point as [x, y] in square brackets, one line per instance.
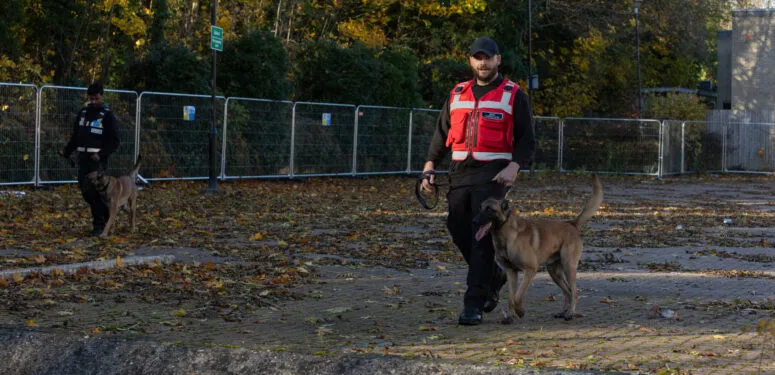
[175, 134]
[547, 132]
[323, 137]
[257, 135]
[383, 139]
[703, 146]
[423, 125]
[750, 148]
[673, 147]
[59, 106]
[625, 146]
[18, 104]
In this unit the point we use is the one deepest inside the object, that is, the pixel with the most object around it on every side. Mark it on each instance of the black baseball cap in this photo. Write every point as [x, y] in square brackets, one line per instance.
[485, 45]
[94, 89]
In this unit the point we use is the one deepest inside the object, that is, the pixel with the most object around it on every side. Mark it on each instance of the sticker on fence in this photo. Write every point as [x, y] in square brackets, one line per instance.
[326, 119]
[189, 112]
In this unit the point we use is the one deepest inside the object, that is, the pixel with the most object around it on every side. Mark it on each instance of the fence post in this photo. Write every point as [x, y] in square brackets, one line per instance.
[560, 143]
[223, 140]
[724, 132]
[293, 139]
[355, 140]
[660, 166]
[409, 146]
[683, 147]
[36, 163]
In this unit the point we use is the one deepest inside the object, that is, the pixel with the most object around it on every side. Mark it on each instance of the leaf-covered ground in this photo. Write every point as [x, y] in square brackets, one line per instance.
[247, 253]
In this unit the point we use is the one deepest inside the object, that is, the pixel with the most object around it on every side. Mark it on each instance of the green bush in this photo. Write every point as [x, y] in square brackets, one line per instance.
[255, 66]
[168, 69]
[439, 77]
[675, 106]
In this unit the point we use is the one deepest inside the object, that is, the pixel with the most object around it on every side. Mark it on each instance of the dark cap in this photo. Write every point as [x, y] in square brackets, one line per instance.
[94, 89]
[486, 46]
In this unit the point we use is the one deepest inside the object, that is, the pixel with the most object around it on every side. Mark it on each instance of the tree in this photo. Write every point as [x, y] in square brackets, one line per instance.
[168, 69]
[256, 66]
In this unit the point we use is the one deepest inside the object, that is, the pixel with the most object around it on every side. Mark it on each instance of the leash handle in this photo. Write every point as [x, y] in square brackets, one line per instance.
[418, 190]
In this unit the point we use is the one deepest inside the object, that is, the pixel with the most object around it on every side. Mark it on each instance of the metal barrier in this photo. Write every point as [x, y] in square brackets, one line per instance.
[623, 146]
[749, 148]
[673, 150]
[256, 138]
[18, 133]
[58, 107]
[174, 134]
[422, 125]
[267, 139]
[322, 139]
[548, 143]
[703, 146]
[381, 140]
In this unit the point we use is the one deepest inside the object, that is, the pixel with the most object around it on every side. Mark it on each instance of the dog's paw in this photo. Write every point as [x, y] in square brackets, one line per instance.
[508, 317]
[560, 315]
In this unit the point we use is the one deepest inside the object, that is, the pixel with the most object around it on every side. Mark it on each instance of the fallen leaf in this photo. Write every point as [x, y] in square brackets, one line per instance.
[119, 262]
[31, 323]
[17, 278]
[257, 237]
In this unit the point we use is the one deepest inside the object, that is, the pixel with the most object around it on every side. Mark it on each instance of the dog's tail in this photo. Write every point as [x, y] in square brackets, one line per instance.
[592, 205]
[136, 168]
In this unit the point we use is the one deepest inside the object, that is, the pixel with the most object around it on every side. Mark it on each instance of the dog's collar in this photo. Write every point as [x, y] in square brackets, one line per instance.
[106, 187]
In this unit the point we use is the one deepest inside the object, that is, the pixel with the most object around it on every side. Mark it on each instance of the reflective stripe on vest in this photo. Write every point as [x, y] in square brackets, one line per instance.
[481, 156]
[88, 149]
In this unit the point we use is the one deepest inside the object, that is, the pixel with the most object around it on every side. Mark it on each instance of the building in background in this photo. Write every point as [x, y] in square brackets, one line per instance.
[746, 64]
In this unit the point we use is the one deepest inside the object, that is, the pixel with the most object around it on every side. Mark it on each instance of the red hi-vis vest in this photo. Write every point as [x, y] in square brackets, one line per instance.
[483, 129]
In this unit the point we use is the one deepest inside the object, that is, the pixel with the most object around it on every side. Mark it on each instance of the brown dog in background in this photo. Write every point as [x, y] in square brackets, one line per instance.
[524, 245]
[117, 192]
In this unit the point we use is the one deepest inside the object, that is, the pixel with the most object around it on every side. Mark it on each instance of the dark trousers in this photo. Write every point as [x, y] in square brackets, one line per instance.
[99, 210]
[465, 203]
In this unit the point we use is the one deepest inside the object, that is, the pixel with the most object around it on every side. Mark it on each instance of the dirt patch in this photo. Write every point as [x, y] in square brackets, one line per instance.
[279, 266]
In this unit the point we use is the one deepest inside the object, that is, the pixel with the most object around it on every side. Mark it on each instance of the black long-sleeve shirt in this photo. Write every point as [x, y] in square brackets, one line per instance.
[473, 172]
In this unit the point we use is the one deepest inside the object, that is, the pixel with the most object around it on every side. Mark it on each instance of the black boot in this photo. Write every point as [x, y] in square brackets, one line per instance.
[470, 316]
[498, 281]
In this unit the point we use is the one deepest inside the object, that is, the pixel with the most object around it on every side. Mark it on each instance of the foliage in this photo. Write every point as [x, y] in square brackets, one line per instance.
[583, 50]
[439, 77]
[682, 106]
[254, 66]
[169, 69]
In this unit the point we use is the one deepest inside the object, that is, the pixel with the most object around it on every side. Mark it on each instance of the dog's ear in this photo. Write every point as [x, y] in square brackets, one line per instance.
[505, 205]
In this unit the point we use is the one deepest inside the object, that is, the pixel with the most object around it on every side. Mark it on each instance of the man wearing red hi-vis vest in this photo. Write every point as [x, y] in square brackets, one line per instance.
[487, 124]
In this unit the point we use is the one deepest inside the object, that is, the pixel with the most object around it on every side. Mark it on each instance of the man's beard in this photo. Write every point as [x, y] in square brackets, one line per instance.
[487, 77]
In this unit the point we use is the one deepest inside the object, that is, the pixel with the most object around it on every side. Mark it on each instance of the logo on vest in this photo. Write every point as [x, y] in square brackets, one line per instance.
[96, 126]
[492, 116]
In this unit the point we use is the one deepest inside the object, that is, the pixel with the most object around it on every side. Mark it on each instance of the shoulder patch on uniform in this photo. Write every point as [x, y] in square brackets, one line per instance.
[508, 88]
[459, 89]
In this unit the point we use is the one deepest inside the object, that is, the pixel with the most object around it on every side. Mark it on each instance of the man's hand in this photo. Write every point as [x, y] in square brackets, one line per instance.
[427, 182]
[508, 175]
[95, 156]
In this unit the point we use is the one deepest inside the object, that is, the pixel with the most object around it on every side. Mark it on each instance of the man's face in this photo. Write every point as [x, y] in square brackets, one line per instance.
[485, 67]
[95, 99]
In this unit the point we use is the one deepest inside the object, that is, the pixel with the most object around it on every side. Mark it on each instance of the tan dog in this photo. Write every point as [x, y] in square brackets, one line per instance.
[524, 245]
[117, 192]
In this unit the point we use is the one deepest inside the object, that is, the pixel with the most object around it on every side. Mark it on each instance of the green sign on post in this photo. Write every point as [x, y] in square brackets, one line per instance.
[216, 38]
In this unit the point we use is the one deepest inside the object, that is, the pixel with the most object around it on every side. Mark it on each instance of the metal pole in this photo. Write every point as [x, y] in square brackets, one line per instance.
[529, 47]
[213, 130]
[637, 37]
